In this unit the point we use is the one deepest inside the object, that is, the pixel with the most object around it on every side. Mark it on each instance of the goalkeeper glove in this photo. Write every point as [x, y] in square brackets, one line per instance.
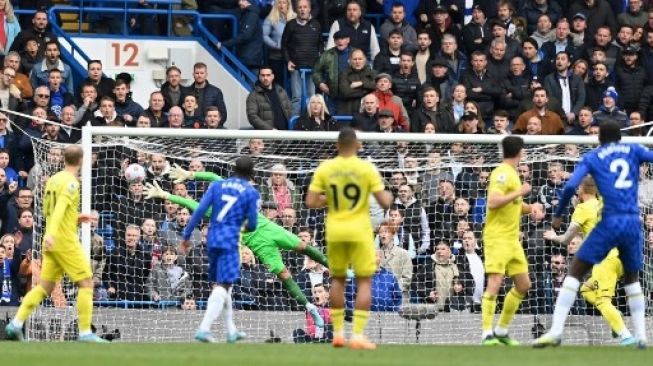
[179, 175]
[153, 190]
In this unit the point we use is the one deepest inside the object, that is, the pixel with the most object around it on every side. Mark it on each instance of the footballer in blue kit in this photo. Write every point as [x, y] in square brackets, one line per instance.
[615, 169]
[234, 202]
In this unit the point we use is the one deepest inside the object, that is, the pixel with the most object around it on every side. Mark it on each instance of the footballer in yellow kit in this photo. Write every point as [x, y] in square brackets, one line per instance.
[66, 255]
[600, 288]
[344, 184]
[503, 250]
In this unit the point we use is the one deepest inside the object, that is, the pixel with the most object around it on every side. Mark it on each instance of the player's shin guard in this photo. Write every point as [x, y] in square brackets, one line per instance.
[293, 289]
[510, 305]
[84, 309]
[316, 255]
[637, 305]
[488, 308]
[30, 302]
[213, 308]
[565, 300]
[360, 322]
[338, 321]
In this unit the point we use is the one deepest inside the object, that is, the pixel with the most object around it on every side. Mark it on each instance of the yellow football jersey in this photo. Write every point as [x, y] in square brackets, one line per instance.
[347, 184]
[586, 215]
[502, 224]
[61, 208]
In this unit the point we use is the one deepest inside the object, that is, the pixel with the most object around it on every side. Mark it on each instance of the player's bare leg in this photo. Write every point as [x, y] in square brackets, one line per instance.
[637, 305]
[362, 314]
[489, 306]
[337, 299]
[38, 293]
[293, 289]
[565, 301]
[510, 306]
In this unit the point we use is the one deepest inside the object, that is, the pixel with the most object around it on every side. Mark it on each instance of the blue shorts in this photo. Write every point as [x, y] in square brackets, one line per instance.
[224, 265]
[621, 231]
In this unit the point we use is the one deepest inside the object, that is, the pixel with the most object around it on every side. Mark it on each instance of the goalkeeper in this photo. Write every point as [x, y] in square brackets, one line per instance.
[599, 289]
[265, 242]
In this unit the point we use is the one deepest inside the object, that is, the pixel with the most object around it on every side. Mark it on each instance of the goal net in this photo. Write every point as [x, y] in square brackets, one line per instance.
[430, 242]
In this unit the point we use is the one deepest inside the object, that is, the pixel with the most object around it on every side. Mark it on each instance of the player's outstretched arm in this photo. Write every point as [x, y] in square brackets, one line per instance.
[179, 175]
[564, 238]
[153, 190]
[205, 204]
[384, 199]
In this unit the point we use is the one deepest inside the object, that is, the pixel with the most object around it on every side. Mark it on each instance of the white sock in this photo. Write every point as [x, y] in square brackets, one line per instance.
[637, 305]
[565, 301]
[486, 334]
[88, 332]
[501, 332]
[17, 323]
[229, 314]
[214, 307]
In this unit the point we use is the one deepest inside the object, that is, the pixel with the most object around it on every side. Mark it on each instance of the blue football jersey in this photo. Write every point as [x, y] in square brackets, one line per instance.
[615, 168]
[233, 202]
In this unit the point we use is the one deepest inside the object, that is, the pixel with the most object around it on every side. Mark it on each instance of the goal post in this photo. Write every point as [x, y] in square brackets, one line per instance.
[439, 169]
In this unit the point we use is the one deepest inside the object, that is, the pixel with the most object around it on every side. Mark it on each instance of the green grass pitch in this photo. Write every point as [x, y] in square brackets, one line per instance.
[190, 354]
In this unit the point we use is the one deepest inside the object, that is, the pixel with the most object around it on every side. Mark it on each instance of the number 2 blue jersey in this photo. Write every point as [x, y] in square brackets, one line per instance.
[233, 201]
[615, 169]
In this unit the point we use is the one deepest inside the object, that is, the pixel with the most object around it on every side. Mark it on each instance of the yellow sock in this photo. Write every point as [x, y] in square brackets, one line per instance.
[30, 302]
[611, 315]
[360, 322]
[338, 320]
[488, 308]
[510, 305]
[85, 309]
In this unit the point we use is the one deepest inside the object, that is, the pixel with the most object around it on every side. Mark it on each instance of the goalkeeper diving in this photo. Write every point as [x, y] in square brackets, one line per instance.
[599, 289]
[265, 242]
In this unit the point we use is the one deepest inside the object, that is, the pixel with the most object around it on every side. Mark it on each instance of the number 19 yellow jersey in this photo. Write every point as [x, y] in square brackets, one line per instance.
[347, 183]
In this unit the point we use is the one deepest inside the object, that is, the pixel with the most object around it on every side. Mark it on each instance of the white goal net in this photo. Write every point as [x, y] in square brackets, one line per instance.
[430, 242]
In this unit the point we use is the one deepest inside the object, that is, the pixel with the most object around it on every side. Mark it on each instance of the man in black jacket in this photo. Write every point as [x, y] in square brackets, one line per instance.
[481, 86]
[39, 32]
[429, 112]
[206, 94]
[249, 40]
[301, 44]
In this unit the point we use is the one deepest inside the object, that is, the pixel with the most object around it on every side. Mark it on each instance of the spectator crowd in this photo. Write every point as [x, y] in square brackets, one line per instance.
[536, 67]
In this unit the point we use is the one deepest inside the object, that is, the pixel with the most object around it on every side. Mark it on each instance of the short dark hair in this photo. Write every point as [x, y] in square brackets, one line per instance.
[265, 67]
[501, 113]
[52, 41]
[539, 88]
[172, 68]
[91, 62]
[512, 145]
[347, 137]
[395, 32]
[430, 88]
[532, 41]
[609, 131]
[244, 167]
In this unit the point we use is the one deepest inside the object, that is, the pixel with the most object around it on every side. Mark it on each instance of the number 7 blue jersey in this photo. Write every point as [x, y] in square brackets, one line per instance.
[615, 169]
[233, 202]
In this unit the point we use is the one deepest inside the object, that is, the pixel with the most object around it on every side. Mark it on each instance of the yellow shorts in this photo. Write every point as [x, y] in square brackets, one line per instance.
[361, 256]
[604, 277]
[68, 259]
[505, 258]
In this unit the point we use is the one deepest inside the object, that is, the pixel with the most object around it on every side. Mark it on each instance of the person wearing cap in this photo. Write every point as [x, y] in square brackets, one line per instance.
[566, 87]
[609, 111]
[301, 45]
[386, 121]
[397, 21]
[469, 124]
[354, 83]
[634, 15]
[476, 34]
[500, 32]
[327, 68]
[551, 122]
[597, 13]
[630, 79]
[362, 32]
[439, 78]
[387, 100]
[532, 10]
[563, 42]
[579, 29]
[482, 87]
[439, 25]
[387, 61]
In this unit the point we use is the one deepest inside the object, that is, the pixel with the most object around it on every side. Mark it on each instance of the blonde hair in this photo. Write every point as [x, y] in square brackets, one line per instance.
[275, 15]
[9, 12]
[320, 99]
[2, 239]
